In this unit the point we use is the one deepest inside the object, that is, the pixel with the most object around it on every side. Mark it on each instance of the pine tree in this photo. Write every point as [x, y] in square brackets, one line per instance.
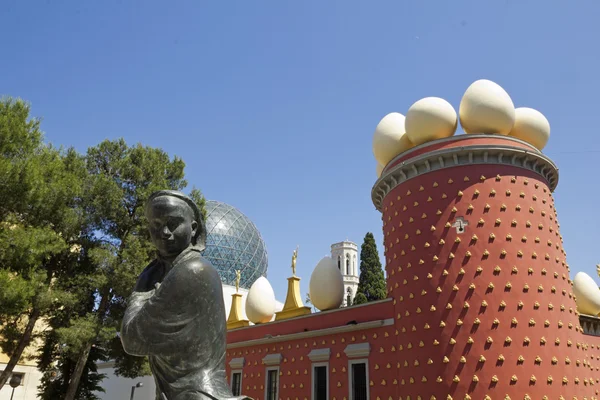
[40, 222]
[56, 358]
[371, 284]
[53, 385]
[73, 239]
[121, 179]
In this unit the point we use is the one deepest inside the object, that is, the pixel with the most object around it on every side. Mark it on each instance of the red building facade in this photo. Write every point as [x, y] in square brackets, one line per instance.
[480, 302]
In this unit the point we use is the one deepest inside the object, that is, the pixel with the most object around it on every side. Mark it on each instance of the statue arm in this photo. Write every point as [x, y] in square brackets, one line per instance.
[157, 320]
[133, 342]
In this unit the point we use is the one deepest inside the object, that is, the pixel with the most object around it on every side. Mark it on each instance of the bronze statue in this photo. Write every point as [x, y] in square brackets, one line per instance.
[176, 313]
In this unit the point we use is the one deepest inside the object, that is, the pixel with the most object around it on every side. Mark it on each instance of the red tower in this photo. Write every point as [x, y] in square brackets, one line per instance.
[480, 284]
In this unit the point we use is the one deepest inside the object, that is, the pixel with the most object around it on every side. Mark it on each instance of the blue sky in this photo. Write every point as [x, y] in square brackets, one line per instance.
[272, 105]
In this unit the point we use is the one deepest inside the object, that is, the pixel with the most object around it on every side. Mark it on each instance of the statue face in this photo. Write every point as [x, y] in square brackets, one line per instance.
[172, 225]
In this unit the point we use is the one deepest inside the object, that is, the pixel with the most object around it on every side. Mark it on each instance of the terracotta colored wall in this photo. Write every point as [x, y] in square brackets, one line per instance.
[295, 368]
[589, 359]
[429, 264]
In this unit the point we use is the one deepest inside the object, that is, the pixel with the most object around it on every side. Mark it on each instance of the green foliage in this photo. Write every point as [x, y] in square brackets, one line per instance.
[40, 221]
[21, 136]
[120, 179]
[371, 284]
[360, 298]
[24, 248]
[54, 386]
[200, 200]
[80, 331]
[16, 294]
[73, 240]
[20, 139]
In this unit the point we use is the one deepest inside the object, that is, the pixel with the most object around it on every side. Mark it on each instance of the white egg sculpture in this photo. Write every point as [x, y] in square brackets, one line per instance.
[587, 294]
[390, 138]
[429, 119]
[326, 285]
[486, 108]
[260, 303]
[531, 126]
[379, 169]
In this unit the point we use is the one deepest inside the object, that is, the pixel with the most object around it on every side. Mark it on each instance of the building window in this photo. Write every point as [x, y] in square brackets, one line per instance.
[236, 383]
[359, 388]
[320, 387]
[272, 391]
[347, 264]
[340, 263]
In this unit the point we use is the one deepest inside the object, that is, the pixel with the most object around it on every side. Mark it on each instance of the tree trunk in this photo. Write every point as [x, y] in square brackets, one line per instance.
[76, 375]
[85, 352]
[23, 343]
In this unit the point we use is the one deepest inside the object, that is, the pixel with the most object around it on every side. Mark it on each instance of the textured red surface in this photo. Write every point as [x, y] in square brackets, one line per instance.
[510, 257]
[295, 368]
[484, 314]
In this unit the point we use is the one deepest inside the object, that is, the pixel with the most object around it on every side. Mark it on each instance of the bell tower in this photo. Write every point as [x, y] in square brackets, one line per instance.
[345, 254]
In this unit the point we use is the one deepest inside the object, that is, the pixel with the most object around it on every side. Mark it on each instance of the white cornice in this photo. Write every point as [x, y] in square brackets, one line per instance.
[272, 359]
[237, 363]
[472, 154]
[358, 350]
[319, 355]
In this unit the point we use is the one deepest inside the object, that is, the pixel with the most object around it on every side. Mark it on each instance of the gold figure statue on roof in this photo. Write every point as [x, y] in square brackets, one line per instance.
[294, 257]
[238, 278]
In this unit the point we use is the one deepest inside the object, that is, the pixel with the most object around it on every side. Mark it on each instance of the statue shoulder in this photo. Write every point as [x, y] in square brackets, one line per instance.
[199, 265]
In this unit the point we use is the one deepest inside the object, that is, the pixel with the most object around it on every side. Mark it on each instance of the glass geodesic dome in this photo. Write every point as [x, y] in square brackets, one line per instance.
[232, 243]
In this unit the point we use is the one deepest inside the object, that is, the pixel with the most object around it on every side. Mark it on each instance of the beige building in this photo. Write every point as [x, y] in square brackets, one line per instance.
[27, 368]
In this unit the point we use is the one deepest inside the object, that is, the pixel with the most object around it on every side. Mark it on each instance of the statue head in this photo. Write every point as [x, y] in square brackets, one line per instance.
[175, 222]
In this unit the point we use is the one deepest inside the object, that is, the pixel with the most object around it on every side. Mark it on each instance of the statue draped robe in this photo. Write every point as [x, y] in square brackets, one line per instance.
[176, 317]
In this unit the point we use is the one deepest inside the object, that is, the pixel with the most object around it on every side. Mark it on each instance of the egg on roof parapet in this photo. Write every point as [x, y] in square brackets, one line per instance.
[587, 294]
[429, 119]
[485, 108]
[390, 138]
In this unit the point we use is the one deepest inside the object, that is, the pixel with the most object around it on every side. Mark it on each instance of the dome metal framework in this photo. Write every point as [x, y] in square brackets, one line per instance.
[234, 243]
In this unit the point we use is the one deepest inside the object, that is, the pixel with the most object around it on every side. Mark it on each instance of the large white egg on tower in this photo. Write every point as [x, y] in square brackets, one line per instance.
[390, 138]
[260, 303]
[429, 119]
[486, 108]
[326, 285]
[531, 126]
[379, 169]
[587, 294]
